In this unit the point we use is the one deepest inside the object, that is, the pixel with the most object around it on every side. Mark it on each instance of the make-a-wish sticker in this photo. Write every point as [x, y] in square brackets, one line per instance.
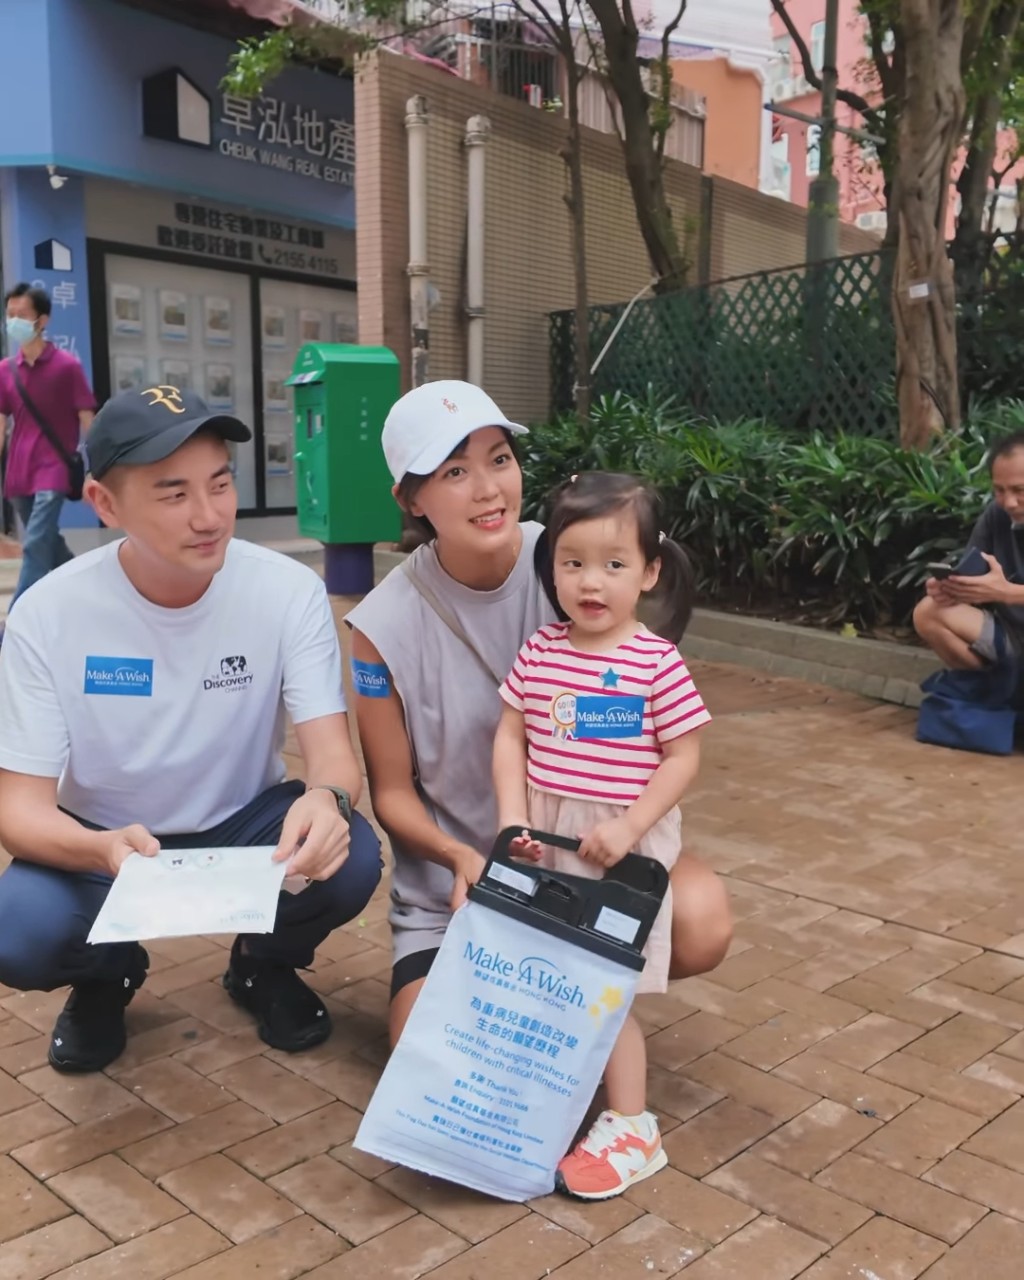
[609, 717]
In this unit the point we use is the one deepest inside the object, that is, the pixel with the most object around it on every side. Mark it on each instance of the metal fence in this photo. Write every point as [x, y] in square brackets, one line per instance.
[809, 348]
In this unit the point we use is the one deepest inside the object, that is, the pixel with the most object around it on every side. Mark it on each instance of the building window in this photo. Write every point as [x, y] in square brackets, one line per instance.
[813, 150]
[817, 46]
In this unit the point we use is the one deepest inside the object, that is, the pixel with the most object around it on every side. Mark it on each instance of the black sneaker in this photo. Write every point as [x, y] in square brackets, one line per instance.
[288, 1015]
[89, 1033]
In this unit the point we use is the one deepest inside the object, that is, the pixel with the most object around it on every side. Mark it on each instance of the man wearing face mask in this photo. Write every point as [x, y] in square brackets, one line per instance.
[53, 386]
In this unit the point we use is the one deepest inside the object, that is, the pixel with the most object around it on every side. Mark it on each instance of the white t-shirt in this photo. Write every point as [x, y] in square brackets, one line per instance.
[174, 718]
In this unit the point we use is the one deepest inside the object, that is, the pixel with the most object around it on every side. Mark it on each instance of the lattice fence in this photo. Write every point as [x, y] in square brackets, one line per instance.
[808, 348]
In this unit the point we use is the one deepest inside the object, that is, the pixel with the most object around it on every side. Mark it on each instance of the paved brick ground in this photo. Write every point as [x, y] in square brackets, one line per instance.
[843, 1098]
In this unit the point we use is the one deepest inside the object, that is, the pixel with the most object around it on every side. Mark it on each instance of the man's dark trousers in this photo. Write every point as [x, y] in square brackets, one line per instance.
[46, 914]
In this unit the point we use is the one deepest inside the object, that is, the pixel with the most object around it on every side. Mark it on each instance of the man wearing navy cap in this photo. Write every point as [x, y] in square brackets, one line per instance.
[143, 693]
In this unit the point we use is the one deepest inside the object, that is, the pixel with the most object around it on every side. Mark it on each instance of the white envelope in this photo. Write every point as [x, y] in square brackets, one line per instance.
[190, 891]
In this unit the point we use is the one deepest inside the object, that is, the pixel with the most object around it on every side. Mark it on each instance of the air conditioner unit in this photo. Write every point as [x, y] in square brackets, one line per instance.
[876, 220]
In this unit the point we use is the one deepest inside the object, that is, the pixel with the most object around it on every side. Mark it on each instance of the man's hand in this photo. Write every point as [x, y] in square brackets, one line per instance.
[989, 588]
[608, 842]
[469, 867]
[938, 590]
[125, 841]
[314, 838]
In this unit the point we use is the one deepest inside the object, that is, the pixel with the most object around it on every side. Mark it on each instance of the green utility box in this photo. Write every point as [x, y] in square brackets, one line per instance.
[343, 487]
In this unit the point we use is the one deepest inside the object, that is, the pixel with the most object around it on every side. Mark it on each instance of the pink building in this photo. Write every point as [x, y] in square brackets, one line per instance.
[795, 144]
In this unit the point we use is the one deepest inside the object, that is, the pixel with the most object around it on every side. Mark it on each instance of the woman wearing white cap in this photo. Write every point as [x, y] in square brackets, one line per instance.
[430, 646]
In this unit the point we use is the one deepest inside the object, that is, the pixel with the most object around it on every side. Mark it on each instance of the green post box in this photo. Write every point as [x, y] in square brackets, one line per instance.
[342, 484]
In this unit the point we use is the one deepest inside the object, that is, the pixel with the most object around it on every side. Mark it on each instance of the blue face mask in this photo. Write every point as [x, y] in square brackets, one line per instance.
[19, 332]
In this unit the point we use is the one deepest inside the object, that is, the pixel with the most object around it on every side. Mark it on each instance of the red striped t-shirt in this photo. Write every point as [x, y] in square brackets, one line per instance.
[595, 722]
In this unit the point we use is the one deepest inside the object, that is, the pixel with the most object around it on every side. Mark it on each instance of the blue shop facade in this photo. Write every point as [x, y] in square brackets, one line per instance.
[186, 236]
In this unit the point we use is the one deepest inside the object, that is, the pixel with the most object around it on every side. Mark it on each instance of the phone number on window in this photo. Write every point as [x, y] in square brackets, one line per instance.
[297, 260]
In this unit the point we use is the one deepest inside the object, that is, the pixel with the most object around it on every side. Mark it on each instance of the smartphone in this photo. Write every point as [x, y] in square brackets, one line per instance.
[973, 565]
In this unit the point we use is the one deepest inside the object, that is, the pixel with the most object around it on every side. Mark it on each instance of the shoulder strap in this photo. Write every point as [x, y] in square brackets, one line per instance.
[44, 425]
[448, 618]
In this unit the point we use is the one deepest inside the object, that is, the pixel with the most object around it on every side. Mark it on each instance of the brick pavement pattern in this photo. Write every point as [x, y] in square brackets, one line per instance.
[843, 1098]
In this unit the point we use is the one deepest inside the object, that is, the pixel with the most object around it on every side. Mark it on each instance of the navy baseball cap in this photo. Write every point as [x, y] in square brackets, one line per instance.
[136, 427]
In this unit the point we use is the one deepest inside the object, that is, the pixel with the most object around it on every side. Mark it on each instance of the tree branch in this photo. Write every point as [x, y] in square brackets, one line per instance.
[665, 81]
[883, 66]
[602, 76]
[667, 33]
[556, 30]
[855, 100]
[975, 25]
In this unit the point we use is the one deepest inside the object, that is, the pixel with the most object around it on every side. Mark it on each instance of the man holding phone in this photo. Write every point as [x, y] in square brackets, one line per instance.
[968, 610]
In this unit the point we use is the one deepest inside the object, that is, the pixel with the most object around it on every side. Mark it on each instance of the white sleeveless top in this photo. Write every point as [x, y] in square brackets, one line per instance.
[451, 710]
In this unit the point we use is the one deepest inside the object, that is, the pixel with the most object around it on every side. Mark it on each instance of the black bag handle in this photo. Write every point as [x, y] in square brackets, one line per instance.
[635, 870]
[610, 916]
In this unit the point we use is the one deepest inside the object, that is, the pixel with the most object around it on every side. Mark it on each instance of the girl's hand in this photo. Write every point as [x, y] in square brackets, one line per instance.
[608, 842]
[525, 848]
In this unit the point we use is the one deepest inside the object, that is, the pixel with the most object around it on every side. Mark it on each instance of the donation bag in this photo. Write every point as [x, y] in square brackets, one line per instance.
[508, 1039]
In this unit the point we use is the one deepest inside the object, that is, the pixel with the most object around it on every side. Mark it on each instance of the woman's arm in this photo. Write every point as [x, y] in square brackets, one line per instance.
[389, 771]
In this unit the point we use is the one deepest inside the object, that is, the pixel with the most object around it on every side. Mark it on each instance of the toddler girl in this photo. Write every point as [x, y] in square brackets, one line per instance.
[613, 782]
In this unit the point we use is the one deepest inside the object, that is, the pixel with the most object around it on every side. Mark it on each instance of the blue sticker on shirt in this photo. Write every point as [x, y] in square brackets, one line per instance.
[121, 677]
[614, 716]
[370, 679]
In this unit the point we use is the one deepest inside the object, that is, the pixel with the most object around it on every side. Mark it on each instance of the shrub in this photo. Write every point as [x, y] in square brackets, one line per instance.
[844, 524]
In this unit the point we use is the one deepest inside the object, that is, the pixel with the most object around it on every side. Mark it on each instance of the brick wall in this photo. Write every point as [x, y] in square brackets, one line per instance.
[754, 232]
[529, 263]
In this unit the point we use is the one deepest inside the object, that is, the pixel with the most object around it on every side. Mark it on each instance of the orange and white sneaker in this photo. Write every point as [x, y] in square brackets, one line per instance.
[618, 1151]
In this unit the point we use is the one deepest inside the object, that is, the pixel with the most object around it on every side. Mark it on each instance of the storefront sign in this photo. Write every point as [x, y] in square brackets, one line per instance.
[271, 131]
[291, 150]
[269, 242]
[280, 135]
[219, 232]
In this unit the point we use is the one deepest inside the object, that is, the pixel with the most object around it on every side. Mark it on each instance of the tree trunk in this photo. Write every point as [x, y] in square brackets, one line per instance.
[931, 117]
[976, 175]
[574, 199]
[621, 37]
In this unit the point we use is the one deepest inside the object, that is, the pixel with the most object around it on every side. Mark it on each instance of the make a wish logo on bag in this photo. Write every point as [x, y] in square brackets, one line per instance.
[541, 979]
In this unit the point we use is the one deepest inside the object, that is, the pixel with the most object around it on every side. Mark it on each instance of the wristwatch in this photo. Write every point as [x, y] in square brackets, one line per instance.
[340, 794]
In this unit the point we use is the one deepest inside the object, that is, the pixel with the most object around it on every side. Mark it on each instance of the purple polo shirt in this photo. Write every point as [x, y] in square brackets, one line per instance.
[59, 389]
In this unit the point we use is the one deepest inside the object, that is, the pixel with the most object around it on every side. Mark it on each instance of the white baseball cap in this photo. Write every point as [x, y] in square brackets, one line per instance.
[429, 422]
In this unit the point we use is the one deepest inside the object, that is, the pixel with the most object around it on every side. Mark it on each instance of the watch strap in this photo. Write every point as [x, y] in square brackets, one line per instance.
[341, 796]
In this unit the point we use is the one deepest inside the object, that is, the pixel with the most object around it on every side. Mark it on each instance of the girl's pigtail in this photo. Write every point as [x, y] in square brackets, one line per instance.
[673, 598]
[543, 568]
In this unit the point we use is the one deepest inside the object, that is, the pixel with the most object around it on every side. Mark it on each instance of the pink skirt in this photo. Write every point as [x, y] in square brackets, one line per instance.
[564, 816]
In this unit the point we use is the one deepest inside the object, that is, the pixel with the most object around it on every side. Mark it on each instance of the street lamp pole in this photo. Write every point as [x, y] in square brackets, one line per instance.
[823, 196]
